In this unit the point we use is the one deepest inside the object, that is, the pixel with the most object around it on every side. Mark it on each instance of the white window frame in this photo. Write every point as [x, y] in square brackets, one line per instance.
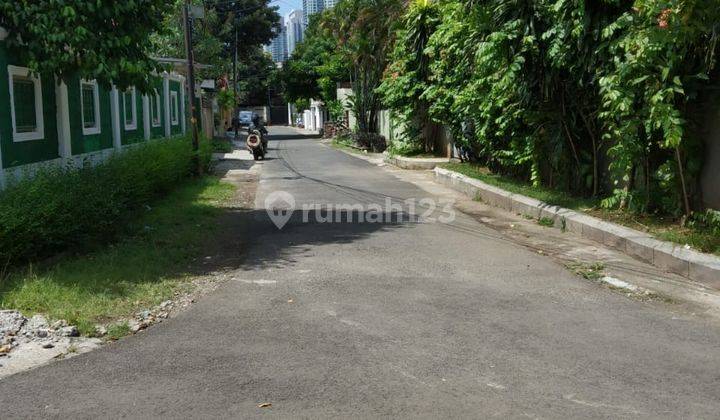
[155, 113]
[175, 108]
[39, 132]
[133, 124]
[96, 129]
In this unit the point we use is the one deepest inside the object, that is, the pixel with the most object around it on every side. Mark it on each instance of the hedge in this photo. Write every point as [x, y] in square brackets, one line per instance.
[60, 209]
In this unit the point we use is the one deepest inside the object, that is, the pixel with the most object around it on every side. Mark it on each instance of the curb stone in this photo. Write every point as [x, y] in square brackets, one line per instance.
[697, 266]
[415, 163]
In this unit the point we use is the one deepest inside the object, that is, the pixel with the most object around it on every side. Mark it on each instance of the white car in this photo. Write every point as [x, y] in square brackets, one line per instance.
[245, 118]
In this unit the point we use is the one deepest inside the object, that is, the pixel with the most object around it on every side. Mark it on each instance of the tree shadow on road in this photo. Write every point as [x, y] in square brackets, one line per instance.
[253, 240]
[184, 234]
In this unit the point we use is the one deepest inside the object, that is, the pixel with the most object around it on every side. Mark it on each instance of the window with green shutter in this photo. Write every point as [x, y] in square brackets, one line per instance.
[89, 113]
[24, 102]
[129, 109]
[174, 108]
[155, 109]
[127, 99]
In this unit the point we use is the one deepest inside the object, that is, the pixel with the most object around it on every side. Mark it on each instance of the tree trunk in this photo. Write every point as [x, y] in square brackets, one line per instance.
[595, 151]
[681, 172]
[628, 186]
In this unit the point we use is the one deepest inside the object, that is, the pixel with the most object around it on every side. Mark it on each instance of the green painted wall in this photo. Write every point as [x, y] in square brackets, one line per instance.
[33, 151]
[137, 135]
[158, 132]
[92, 143]
[22, 153]
[176, 87]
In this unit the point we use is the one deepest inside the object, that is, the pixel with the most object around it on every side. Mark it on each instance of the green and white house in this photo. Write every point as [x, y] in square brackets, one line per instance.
[78, 122]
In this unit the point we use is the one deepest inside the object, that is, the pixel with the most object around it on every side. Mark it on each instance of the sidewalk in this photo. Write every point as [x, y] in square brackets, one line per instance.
[638, 280]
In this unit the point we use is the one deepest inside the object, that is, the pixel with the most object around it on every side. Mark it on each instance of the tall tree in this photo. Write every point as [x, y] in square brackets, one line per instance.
[365, 33]
[246, 24]
[255, 71]
[208, 46]
[254, 22]
[315, 67]
[408, 75]
[104, 40]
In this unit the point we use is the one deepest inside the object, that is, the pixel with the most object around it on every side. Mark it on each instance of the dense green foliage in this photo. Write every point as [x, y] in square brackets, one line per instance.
[104, 40]
[256, 73]
[408, 76]
[207, 46]
[147, 265]
[364, 31]
[254, 22]
[349, 43]
[64, 208]
[597, 98]
[245, 24]
[314, 67]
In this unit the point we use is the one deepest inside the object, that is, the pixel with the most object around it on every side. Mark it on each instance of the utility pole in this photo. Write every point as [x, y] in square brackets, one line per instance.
[235, 60]
[187, 19]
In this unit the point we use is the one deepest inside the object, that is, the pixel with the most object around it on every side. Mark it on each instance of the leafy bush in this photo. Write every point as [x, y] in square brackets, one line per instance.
[371, 141]
[368, 141]
[710, 219]
[595, 98]
[221, 145]
[336, 110]
[64, 208]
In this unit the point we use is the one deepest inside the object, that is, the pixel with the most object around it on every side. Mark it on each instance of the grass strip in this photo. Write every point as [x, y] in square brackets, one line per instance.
[147, 265]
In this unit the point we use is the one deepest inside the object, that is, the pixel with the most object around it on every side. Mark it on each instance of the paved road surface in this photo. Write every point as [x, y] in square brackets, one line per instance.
[388, 320]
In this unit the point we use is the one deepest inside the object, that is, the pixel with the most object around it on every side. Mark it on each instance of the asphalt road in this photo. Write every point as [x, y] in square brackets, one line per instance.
[391, 319]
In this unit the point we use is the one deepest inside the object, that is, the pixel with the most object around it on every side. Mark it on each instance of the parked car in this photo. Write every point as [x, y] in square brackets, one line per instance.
[245, 118]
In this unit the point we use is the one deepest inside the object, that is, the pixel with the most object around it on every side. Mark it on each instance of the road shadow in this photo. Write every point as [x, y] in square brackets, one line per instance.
[252, 239]
[293, 136]
[222, 167]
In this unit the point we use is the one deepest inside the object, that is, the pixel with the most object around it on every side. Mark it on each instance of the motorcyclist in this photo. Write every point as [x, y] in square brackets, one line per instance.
[258, 125]
[236, 126]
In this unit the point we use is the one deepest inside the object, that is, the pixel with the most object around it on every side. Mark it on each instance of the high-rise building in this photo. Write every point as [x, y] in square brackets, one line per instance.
[310, 7]
[294, 28]
[278, 47]
[330, 3]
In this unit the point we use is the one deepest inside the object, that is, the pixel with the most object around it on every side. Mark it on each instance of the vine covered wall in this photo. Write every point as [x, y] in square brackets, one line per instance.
[602, 98]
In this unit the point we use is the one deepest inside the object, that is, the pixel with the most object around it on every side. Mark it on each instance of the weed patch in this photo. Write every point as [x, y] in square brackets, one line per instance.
[62, 209]
[220, 145]
[589, 271]
[147, 265]
[118, 331]
[546, 221]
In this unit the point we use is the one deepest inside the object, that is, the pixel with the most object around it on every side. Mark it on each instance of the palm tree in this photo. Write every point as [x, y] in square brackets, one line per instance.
[365, 34]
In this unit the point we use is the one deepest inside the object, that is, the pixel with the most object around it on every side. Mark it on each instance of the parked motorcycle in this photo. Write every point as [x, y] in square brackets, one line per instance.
[256, 144]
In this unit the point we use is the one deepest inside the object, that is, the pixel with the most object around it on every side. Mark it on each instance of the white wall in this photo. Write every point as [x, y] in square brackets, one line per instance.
[385, 125]
[308, 120]
[262, 111]
[317, 109]
[342, 95]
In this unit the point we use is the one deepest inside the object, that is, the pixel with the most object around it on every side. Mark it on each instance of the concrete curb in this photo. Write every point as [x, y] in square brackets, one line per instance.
[694, 265]
[415, 163]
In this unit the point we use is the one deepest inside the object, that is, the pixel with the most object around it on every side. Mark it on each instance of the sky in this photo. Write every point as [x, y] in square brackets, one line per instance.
[287, 5]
